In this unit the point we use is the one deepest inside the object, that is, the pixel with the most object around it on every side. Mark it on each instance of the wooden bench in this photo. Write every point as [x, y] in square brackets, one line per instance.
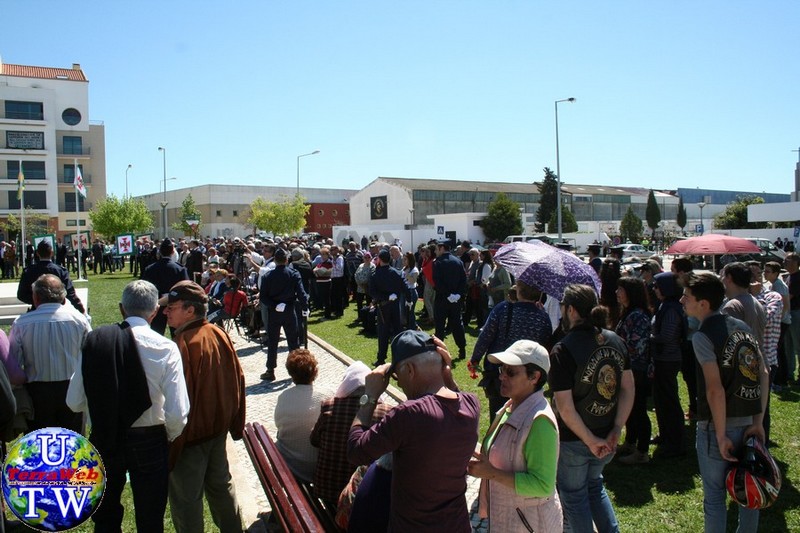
[293, 505]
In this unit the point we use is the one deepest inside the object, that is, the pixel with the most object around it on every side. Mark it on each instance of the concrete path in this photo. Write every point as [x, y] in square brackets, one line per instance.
[261, 400]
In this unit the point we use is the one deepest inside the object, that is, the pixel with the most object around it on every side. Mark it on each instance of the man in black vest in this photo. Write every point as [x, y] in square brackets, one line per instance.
[281, 290]
[732, 394]
[164, 273]
[591, 377]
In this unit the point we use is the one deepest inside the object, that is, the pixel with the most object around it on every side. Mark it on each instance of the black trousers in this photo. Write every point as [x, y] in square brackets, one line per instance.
[286, 320]
[50, 409]
[669, 412]
[689, 371]
[449, 314]
[145, 455]
[324, 297]
[388, 326]
[338, 295]
[638, 428]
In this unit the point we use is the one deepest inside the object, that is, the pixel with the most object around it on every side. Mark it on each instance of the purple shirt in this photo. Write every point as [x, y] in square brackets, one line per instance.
[432, 439]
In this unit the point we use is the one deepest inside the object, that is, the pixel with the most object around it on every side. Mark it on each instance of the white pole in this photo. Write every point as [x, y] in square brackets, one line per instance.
[77, 215]
[22, 216]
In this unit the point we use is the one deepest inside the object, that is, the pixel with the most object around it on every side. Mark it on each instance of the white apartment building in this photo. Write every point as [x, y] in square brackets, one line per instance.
[44, 124]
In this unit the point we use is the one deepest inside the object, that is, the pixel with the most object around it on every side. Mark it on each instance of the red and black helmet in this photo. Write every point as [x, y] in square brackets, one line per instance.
[755, 481]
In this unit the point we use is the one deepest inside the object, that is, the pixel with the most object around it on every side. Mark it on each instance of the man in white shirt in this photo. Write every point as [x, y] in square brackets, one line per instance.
[46, 343]
[131, 383]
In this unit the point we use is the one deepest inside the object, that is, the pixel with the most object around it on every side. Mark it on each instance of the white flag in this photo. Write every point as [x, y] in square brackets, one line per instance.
[79, 186]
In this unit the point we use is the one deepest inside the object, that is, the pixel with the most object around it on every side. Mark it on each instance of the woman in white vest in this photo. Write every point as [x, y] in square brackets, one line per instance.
[517, 463]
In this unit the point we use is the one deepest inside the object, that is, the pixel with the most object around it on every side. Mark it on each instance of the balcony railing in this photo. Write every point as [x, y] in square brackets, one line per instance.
[63, 152]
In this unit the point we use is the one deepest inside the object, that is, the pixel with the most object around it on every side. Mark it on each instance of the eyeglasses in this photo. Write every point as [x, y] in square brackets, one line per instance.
[509, 371]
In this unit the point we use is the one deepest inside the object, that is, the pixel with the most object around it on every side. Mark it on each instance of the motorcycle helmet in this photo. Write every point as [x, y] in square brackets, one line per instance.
[755, 481]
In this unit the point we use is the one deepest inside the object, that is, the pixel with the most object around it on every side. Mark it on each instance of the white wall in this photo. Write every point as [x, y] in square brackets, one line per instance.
[398, 203]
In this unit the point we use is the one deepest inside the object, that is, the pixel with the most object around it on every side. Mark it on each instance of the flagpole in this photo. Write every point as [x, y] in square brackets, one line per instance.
[77, 217]
[21, 190]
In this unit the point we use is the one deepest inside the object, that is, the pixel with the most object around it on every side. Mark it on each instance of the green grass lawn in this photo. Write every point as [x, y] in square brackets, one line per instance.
[661, 496]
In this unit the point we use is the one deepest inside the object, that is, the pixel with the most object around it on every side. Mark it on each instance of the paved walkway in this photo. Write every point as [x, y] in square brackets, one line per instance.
[261, 400]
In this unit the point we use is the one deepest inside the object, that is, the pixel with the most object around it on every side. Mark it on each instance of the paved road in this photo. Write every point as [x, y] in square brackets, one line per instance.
[261, 400]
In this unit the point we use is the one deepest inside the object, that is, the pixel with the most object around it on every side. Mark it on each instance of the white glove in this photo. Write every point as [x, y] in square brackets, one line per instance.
[306, 313]
[280, 307]
[392, 297]
[454, 298]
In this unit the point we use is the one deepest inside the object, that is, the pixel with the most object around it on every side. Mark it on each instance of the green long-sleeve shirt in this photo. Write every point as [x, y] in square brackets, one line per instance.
[541, 456]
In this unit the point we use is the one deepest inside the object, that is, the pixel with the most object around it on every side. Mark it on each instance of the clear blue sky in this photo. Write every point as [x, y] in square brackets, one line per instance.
[669, 94]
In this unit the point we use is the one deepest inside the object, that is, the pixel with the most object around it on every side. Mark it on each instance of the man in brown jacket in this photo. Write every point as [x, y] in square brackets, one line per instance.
[215, 382]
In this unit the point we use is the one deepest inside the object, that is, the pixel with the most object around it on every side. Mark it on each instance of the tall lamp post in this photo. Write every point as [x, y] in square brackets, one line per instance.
[164, 202]
[558, 170]
[701, 205]
[126, 179]
[315, 152]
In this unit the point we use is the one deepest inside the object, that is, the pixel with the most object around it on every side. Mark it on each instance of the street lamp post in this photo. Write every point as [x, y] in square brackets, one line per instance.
[701, 205]
[315, 152]
[164, 202]
[558, 170]
[126, 179]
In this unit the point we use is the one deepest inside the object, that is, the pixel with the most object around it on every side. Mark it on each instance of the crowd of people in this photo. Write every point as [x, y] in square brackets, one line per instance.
[601, 355]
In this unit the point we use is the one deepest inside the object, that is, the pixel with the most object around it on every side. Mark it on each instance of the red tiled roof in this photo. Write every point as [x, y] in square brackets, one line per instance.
[47, 73]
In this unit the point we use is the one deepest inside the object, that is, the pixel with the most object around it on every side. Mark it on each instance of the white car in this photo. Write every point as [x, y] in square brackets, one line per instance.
[635, 251]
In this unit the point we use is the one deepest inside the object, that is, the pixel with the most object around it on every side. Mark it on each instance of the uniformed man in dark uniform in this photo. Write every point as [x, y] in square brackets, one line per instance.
[164, 273]
[450, 281]
[281, 291]
[45, 265]
[594, 257]
[386, 286]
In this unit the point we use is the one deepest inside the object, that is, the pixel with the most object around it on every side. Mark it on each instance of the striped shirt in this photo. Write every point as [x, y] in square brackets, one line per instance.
[47, 341]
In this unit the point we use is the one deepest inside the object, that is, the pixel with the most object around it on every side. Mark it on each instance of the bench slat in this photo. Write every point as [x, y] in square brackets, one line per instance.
[286, 497]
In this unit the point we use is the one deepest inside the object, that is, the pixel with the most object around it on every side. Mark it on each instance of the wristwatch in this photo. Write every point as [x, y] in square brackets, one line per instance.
[365, 399]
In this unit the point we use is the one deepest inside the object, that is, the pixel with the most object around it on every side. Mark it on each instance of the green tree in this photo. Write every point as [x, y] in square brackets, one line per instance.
[188, 211]
[113, 216]
[631, 227]
[568, 222]
[735, 215]
[35, 224]
[503, 219]
[548, 190]
[284, 217]
[681, 215]
[652, 214]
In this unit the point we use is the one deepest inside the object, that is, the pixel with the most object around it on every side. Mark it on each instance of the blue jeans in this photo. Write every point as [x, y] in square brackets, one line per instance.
[580, 487]
[712, 471]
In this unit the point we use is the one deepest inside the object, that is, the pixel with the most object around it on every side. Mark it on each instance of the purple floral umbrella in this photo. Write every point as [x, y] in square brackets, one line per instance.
[546, 267]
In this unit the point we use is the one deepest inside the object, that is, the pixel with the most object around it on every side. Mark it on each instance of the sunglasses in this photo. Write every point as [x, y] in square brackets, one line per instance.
[510, 371]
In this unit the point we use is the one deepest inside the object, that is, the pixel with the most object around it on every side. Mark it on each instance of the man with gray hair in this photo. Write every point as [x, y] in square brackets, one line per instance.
[130, 382]
[431, 435]
[46, 343]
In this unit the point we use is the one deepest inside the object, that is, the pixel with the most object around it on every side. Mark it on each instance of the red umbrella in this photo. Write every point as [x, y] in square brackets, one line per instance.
[713, 244]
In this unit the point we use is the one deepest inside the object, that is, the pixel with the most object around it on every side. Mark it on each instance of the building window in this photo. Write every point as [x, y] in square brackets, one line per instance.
[73, 145]
[321, 213]
[335, 213]
[71, 116]
[235, 213]
[71, 223]
[69, 174]
[69, 202]
[33, 199]
[24, 110]
[33, 170]
[219, 212]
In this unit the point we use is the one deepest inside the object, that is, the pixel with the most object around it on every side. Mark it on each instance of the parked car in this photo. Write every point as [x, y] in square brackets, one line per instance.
[634, 251]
